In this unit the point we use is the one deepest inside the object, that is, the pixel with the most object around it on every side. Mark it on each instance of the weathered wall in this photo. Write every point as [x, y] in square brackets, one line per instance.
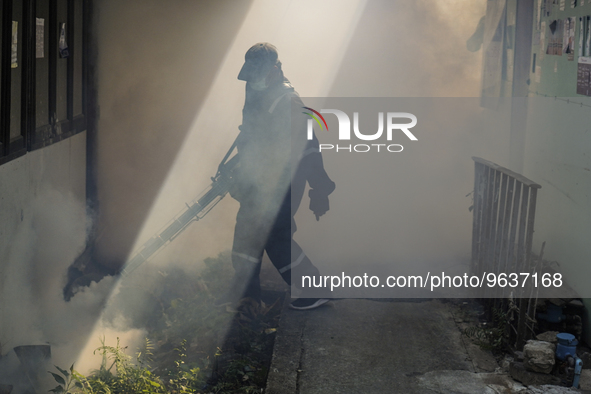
[557, 157]
[557, 140]
[42, 228]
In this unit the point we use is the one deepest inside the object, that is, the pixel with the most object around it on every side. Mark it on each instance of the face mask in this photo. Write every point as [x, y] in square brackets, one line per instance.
[260, 84]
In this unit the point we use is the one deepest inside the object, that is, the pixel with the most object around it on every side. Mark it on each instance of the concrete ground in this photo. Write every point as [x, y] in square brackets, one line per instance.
[376, 346]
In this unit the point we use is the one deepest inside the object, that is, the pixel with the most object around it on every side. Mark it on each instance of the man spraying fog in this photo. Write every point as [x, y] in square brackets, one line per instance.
[270, 185]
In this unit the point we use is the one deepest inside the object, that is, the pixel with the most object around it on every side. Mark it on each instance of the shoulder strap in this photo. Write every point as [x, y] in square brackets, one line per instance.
[277, 100]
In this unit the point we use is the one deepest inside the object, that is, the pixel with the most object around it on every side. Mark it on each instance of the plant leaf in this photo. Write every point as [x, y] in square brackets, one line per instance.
[58, 378]
[63, 371]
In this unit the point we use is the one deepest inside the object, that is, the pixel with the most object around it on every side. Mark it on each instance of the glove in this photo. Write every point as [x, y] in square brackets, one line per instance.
[318, 203]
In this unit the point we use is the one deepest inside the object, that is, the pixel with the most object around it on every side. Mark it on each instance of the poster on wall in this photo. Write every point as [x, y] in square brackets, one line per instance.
[547, 8]
[587, 35]
[555, 37]
[581, 35]
[584, 76]
[14, 46]
[39, 52]
[568, 43]
[542, 40]
[550, 42]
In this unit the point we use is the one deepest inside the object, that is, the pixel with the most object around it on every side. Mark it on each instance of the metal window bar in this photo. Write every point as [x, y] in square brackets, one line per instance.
[502, 234]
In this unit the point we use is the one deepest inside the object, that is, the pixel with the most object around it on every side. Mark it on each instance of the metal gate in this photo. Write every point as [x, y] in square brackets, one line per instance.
[502, 234]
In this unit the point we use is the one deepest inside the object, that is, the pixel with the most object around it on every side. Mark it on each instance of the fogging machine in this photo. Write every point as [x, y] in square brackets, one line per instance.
[195, 210]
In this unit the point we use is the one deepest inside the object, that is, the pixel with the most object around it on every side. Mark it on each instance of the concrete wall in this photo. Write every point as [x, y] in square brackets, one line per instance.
[42, 224]
[557, 156]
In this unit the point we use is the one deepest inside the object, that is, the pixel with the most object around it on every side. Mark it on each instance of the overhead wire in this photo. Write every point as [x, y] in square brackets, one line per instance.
[566, 100]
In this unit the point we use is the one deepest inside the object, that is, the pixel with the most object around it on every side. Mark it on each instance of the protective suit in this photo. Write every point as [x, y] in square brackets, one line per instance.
[276, 161]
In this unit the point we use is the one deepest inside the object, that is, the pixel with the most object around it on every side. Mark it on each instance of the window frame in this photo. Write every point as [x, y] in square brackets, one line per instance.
[35, 136]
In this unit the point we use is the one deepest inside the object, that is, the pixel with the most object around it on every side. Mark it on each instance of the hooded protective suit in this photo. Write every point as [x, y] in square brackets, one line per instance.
[276, 161]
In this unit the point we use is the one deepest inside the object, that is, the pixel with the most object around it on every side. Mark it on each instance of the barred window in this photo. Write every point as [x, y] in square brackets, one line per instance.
[43, 71]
